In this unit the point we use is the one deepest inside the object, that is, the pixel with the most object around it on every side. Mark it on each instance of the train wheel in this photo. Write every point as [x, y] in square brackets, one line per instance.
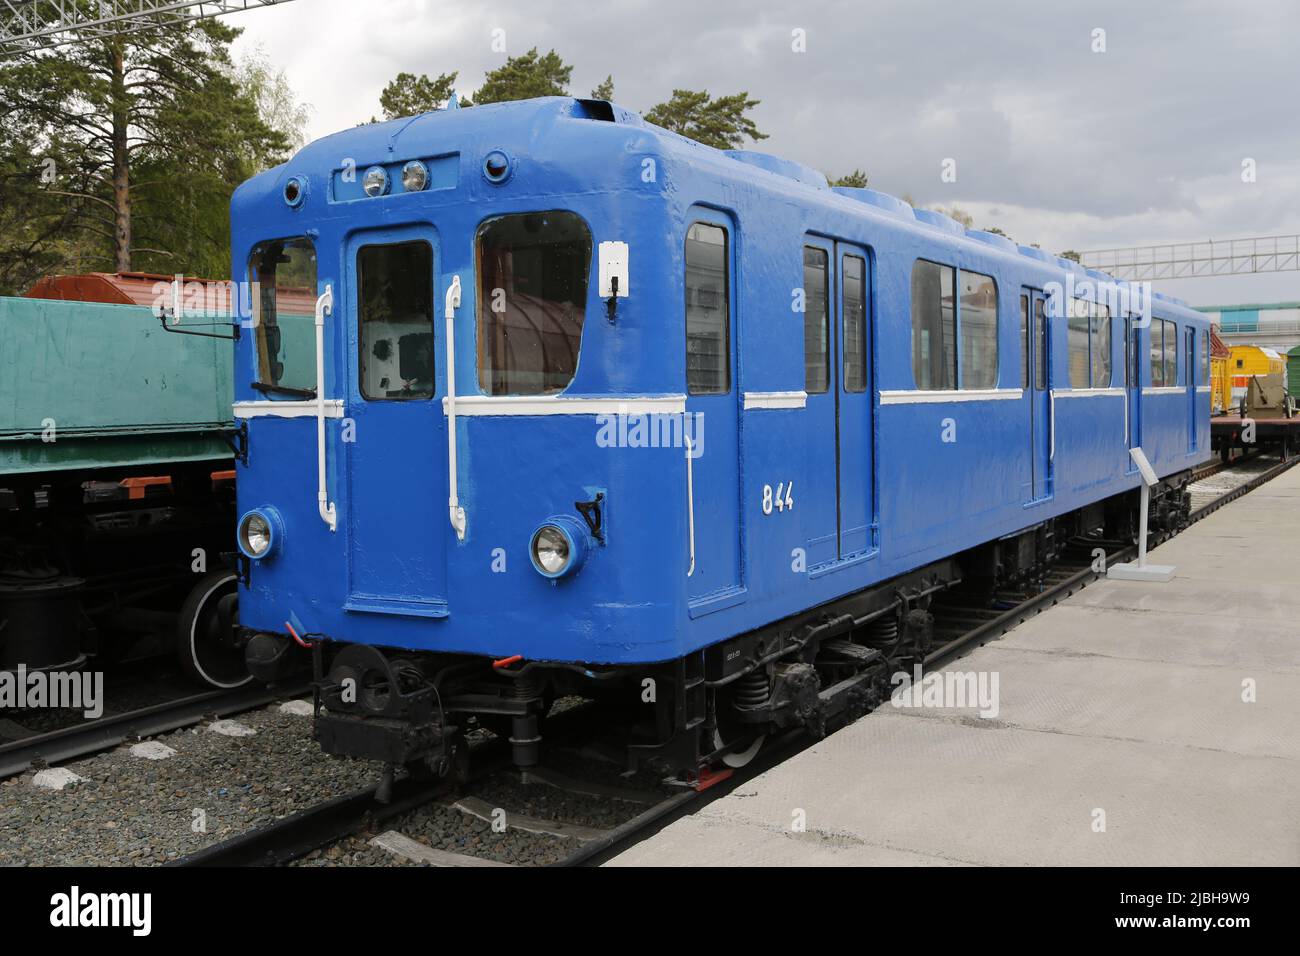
[205, 643]
[743, 749]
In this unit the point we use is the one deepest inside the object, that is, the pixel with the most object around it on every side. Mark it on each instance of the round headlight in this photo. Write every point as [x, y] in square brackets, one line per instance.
[294, 191]
[375, 182]
[551, 551]
[256, 535]
[415, 176]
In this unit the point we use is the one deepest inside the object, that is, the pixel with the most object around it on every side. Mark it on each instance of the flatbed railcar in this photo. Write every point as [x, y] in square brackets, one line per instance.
[600, 410]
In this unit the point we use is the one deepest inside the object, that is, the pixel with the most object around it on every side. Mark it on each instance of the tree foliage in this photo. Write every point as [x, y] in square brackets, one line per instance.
[722, 122]
[856, 179]
[1071, 254]
[410, 95]
[132, 145]
[604, 91]
[524, 77]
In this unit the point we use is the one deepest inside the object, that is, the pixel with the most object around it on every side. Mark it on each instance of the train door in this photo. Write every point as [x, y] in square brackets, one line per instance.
[713, 456]
[836, 502]
[1133, 386]
[1037, 375]
[1191, 366]
[394, 515]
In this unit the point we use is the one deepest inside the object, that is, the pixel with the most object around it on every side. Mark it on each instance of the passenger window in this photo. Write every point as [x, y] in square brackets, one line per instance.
[284, 315]
[1157, 353]
[978, 319]
[816, 358]
[1040, 345]
[934, 326]
[855, 323]
[533, 270]
[1101, 346]
[395, 320]
[1080, 312]
[1025, 344]
[1205, 359]
[1171, 353]
[708, 348]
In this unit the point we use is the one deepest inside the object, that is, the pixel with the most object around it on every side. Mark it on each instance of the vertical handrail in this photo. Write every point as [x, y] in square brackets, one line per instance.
[690, 500]
[455, 511]
[324, 306]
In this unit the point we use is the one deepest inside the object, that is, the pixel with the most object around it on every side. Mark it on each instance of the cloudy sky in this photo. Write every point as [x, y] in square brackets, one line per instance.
[1053, 142]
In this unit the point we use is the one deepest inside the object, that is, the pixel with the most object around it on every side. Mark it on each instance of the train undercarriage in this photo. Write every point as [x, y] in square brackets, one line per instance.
[688, 718]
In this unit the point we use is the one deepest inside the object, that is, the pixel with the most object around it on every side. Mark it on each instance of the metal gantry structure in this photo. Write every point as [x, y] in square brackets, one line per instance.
[27, 25]
[1186, 260]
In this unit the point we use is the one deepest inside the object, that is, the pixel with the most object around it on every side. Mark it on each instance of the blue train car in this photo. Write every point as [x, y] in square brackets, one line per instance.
[589, 407]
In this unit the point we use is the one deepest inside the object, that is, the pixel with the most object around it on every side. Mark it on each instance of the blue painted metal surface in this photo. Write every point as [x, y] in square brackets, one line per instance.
[396, 574]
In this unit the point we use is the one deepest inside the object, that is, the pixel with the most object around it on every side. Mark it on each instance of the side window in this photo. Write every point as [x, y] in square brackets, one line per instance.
[978, 320]
[284, 315]
[1205, 358]
[1101, 346]
[934, 326]
[816, 321]
[1080, 312]
[1025, 343]
[1040, 345]
[708, 348]
[395, 320]
[533, 270]
[855, 323]
[1171, 353]
[1157, 353]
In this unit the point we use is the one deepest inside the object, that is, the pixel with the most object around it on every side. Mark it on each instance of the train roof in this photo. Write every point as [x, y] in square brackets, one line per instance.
[526, 123]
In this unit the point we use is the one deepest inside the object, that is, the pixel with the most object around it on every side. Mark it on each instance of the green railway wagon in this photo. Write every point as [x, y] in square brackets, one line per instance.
[93, 564]
[87, 386]
[1293, 373]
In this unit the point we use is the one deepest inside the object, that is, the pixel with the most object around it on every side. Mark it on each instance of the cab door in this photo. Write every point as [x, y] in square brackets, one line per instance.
[837, 500]
[1037, 375]
[712, 427]
[394, 432]
[1133, 385]
[1191, 366]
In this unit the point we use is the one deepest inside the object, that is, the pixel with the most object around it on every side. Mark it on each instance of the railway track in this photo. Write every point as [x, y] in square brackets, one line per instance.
[104, 733]
[958, 629]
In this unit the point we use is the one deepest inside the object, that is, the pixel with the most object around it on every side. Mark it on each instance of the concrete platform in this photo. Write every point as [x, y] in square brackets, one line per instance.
[1126, 699]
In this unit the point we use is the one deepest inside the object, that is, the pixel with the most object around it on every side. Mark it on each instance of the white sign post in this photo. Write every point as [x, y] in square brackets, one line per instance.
[1139, 570]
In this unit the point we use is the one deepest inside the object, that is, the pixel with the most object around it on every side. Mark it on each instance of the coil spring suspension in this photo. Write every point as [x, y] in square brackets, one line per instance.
[751, 690]
[882, 632]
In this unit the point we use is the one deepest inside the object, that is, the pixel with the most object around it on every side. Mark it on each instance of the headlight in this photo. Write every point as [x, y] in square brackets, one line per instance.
[375, 182]
[257, 534]
[558, 547]
[551, 550]
[415, 176]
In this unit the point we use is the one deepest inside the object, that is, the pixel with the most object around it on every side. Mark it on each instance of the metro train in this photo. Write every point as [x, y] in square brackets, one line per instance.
[588, 408]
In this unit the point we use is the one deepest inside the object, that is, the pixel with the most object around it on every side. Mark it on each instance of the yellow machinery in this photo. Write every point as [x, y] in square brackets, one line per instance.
[1248, 360]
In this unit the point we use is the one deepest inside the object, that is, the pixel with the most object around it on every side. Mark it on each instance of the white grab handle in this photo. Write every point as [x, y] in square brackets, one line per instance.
[690, 500]
[324, 306]
[455, 511]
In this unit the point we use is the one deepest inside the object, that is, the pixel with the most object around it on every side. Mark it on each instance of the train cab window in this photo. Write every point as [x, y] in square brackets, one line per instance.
[816, 321]
[284, 315]
[708, 334]
[1040, 344]
[1101, 365]
[395, 320]
[1170, 353]
[1078, 321]
[934, 326]
[1025, 341]
[977, 321]
[533, 270]
[855, 323]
